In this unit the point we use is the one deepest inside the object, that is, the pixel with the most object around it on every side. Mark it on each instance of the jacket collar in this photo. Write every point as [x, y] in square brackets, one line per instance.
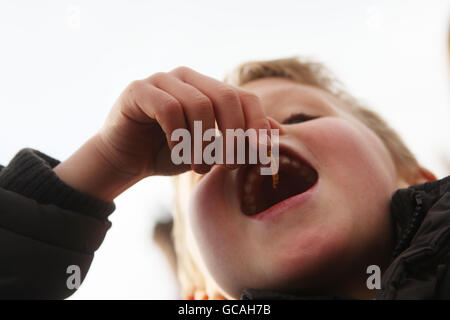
[409, 207]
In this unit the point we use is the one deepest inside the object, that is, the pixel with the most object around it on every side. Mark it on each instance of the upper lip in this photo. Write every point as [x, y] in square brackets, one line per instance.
[283, 149]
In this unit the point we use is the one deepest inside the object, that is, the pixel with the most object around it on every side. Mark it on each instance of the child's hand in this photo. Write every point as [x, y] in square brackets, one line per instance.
[136, 136]
[135, 140]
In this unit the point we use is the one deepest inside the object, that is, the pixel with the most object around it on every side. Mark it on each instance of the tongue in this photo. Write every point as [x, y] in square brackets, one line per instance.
[291, 183]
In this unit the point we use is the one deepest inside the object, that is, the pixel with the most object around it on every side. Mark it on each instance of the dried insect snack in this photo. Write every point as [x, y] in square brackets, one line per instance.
[275, 177]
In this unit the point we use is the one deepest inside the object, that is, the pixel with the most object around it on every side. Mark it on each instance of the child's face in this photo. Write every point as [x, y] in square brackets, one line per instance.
[320, 242]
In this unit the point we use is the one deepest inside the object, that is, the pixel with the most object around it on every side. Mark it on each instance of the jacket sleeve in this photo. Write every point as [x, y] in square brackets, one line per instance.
[48, 231]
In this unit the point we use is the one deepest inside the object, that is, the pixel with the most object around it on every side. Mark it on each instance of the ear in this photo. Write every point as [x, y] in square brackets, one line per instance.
[420, 176]
[427, 175]
[417, 175]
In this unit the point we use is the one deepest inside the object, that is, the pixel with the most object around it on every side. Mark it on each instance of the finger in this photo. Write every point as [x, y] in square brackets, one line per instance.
[196, 107]
[148, 103]
[256, 119]
[252, 108]
[226, 102]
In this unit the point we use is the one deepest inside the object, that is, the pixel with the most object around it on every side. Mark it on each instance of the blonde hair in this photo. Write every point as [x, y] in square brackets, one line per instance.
[194, 280]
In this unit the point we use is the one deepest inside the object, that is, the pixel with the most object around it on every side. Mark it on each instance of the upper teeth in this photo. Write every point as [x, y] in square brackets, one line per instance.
[284, 160]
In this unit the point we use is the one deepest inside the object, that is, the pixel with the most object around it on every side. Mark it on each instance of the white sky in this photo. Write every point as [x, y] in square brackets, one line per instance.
[63, 64]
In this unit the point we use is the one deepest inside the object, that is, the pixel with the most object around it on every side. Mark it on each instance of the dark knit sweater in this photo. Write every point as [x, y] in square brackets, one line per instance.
[45, 227]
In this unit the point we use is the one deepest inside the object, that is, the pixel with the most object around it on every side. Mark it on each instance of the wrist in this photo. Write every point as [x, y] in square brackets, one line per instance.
[90, 171]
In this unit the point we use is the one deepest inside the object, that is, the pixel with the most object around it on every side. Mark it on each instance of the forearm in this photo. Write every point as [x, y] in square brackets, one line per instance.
[89, 170]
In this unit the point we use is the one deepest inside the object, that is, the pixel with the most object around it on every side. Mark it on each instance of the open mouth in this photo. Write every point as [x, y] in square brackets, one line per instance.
[295, 176]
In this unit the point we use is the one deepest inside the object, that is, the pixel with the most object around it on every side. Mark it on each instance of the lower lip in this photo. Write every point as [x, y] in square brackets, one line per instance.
[285, 205]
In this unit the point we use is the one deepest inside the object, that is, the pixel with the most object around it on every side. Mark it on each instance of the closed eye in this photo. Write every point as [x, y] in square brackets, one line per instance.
[298, 118]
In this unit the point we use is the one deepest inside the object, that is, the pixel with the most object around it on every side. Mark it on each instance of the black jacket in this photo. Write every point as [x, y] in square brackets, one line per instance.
[46, 226]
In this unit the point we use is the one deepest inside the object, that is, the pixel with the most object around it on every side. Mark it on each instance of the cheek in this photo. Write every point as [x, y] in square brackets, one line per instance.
[204, 219]
[220, 243]
[360, 178]
[212, 212]
[351, 155]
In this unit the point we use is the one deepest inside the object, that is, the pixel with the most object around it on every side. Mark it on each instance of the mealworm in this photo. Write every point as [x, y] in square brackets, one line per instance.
[275, 176]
